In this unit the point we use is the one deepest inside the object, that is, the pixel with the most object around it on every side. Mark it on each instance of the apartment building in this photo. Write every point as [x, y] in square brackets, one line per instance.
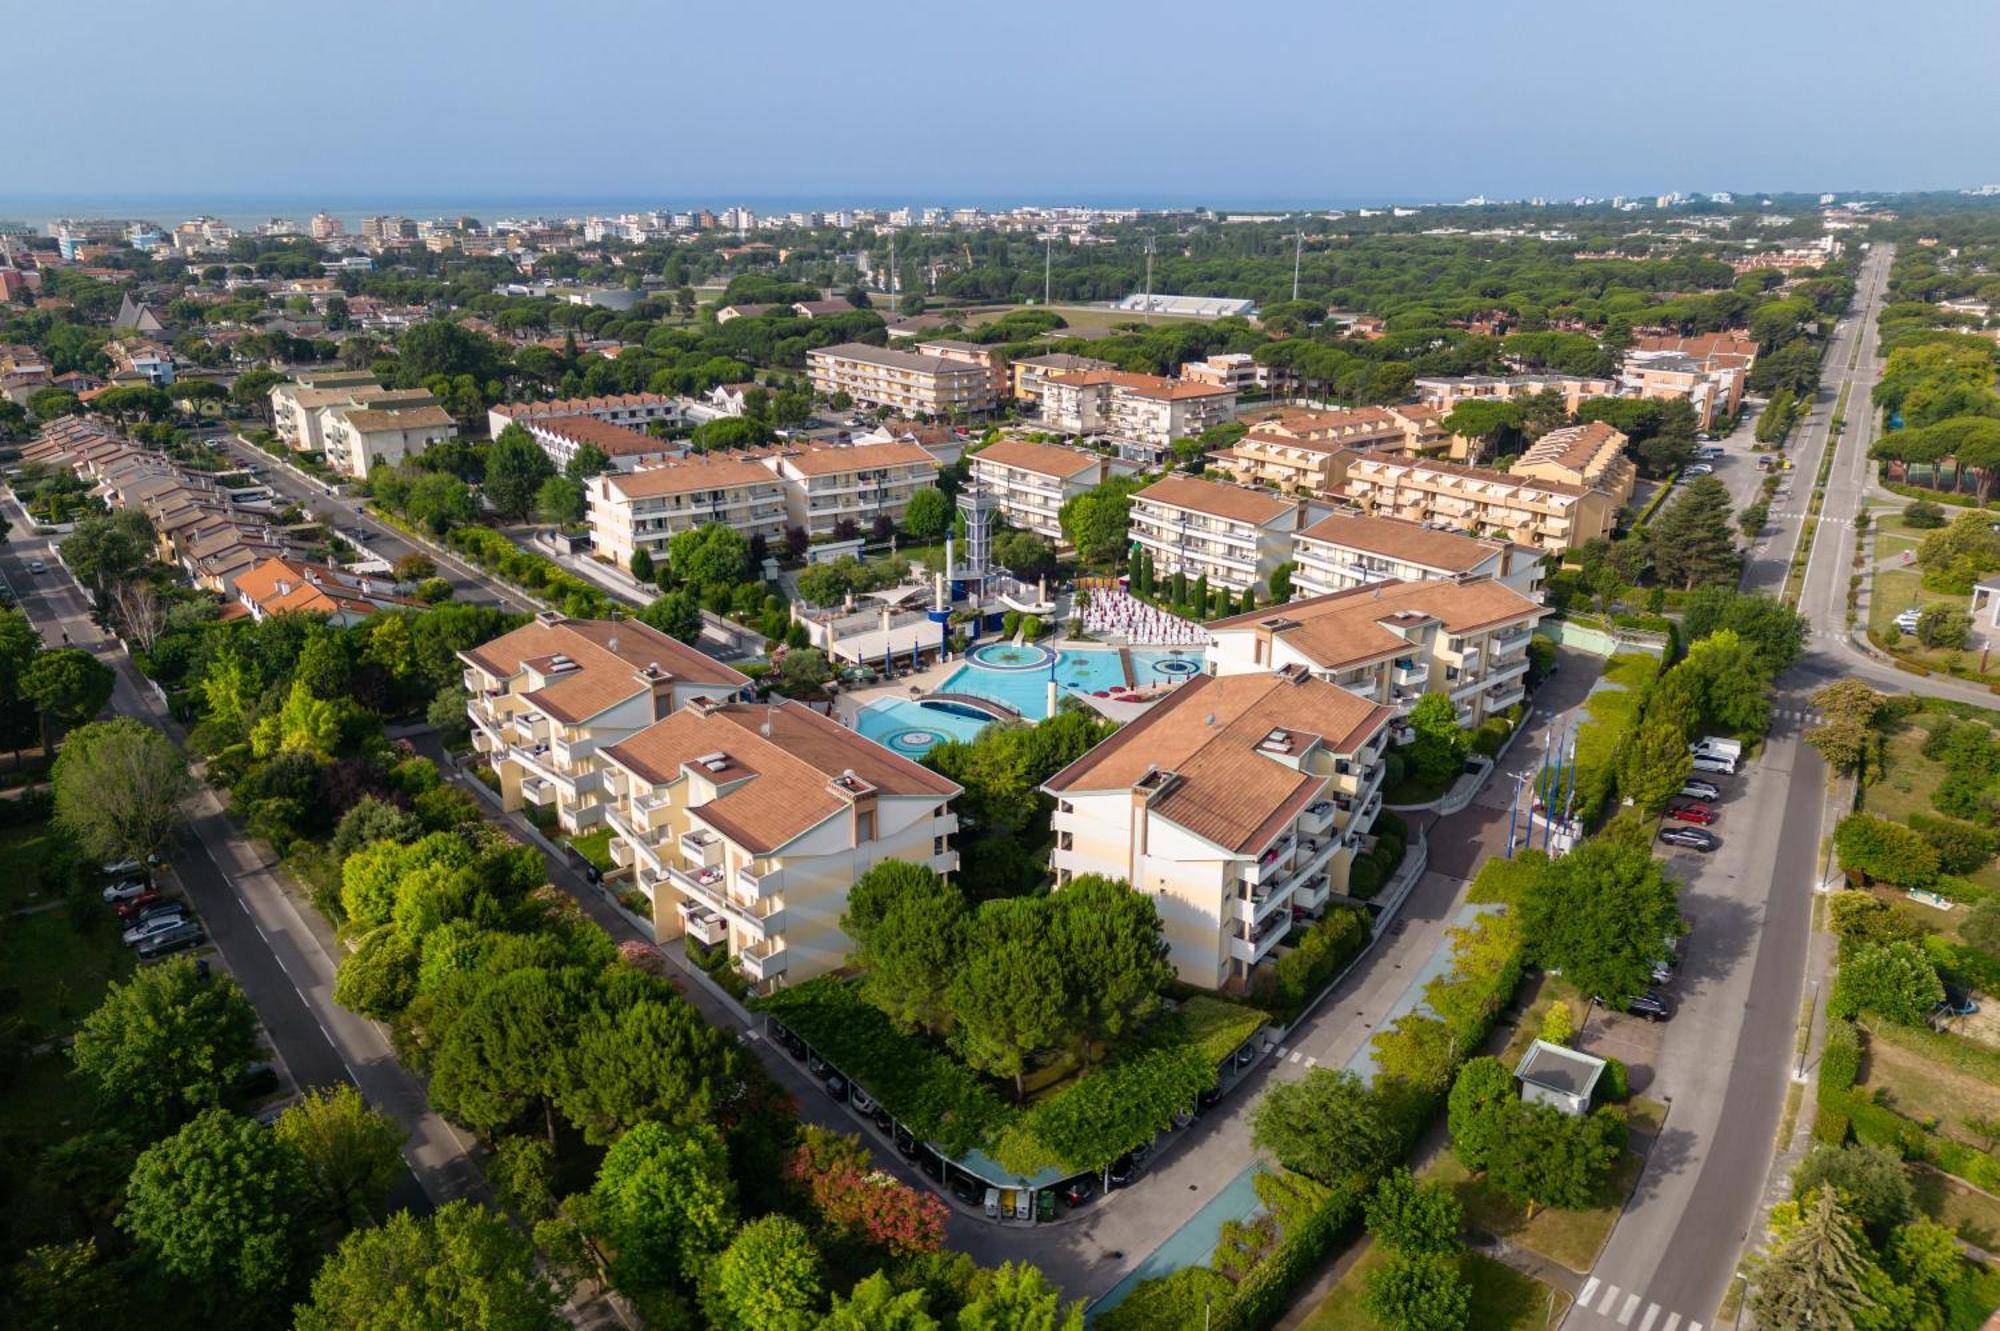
[561, 436]
[1237, 371]
[297, 403]
[549, 697]
[1142, 407]
[1349, 549]
[746, 824]
[1029, 482]
[861, 482]
[1237, 803]
[358, 439]
[1575, 389]
[908, 382]
[634, 411]
[644, 509]
[1591, 454]
[1284, 462]
[1392, 642]
[1549, 515]
[1713, 393]
[972, 353]
[1031, 372]
[1236, 537]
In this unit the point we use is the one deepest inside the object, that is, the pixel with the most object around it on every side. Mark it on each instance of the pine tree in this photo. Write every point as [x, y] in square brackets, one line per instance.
[1693, 540]
[1814, 1279]
[1201, 596]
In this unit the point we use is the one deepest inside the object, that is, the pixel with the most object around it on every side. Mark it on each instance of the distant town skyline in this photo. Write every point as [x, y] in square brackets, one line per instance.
[1295, 103]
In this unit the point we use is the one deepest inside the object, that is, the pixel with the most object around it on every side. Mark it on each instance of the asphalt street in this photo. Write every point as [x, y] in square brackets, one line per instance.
[1726, 1057]
[284, 963]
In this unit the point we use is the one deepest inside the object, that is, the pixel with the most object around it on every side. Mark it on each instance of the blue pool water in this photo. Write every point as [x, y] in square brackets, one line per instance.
[914, 729]
[1019, 676]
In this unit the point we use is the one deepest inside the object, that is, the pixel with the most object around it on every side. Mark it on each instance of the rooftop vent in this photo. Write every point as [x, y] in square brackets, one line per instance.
[559, 663]
[1278, 741]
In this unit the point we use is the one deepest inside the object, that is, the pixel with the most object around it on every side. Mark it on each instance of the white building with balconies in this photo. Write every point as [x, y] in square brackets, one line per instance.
[548, 698]
[856, 483]
[1393, 642]
[645, 509]
[1354, 549]
[1238, 803]
[746, 824]
[1234, 536]
[1029, 482]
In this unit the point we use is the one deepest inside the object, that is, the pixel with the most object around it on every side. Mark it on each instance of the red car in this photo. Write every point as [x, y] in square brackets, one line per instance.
[127, 909]
[1692, 813]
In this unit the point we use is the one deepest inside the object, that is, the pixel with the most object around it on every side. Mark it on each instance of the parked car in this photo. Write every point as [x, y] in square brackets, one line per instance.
[817, 1066]
[1663, 971]
[1698, 469]
[906, 1142]
[185, 934]
[122, 869]
[154, 911]
[1706, 791]
[131, 910]
[158, 924]
[1692, 813]
[1714, 766]
[883, 1121]
[1907, 621]
[1246, 1055]
[863, 1103]
[258, 1080]
[1713, 747]
[1690, 838]
[1078, 1190]
[127, 889]
[1652, 1005]
[1121, 1171]
[836, 1086]
[37, 566]
[966, 1188]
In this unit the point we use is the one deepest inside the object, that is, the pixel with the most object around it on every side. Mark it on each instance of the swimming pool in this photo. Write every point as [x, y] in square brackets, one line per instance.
[913, 728]
[1019, 676]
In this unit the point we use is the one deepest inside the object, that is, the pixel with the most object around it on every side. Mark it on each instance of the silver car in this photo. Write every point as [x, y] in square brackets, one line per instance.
[157, 924]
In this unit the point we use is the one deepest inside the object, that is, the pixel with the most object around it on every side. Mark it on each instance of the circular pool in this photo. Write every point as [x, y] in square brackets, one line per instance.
[1006, 656]
[914, 742]
[1177, 667]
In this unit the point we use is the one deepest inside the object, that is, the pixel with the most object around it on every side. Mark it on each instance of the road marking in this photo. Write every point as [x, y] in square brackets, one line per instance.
[1282, 1051]
[1610, 1297]
[1294, 1058]
[1631, 1306]
[1312, 1062]
[1673, 1320]
[1589, 1288]
[1646, 1322]
[1694, 1326]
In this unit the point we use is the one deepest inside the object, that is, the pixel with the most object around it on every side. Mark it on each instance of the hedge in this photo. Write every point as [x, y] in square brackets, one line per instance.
[1507, 880]
[1319, 955]
[1840, 1060]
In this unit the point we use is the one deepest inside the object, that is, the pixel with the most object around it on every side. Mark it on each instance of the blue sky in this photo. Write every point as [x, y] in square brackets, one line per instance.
[1221, 103]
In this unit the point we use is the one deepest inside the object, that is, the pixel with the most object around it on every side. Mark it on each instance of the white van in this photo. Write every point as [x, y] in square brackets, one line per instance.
[1717, 748]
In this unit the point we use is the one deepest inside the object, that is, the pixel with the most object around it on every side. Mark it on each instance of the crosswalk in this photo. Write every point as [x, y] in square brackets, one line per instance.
[1288, 1055]
[1600, 1301]
[1804, 716]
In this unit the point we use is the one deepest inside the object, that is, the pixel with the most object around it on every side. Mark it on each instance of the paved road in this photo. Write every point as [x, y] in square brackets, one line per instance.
[467, 583]
[1725, 1059]
[278, 950]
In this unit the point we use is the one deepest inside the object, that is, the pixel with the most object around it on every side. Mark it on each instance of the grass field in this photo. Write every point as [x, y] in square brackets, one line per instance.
[1905, 787]
[596, 847]
[1570, 1238]
[1503, 1299]
[55, 970]
[1973, 1215]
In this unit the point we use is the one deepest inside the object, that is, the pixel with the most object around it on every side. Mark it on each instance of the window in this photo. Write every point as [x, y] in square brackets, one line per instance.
[864, 825]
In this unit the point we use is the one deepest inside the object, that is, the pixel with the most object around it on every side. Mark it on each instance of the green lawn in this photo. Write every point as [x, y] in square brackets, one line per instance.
[1570, 1238]
[1918, 1087]
[1503, 1299]
[57, 965]
[1973, 1215]
[595, 847]
[1905, 787]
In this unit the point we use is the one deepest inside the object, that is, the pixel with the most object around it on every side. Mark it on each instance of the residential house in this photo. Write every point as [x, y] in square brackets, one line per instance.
[644, 509]
[820, 309]
[1233, 536]
[1238, 804]
[280, 585]
[1393, 642]
[1028, 483]
[1549, 515]
[906, 381]
[746, 824]
[548, 698]
[1575, 389]
[1349, 549]
[1591, 454]
[634, 411]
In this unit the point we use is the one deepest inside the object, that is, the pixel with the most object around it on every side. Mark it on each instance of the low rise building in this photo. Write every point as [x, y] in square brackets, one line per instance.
[1029, 482]
[634, 411]
[746, 824]
[1351, 549]
[906, 381]
[644, 509]
[1591, 454]
[297, 404]
[858, 482]
[1142, 407]
[280, 585]
[359, 439]
[628, 450]
[972, 353]
[1574, 389]
[1548, 515]
[548, 698]
[1233, 536]
[1393, 642]
[1234, 370]
[1238, 804]
[1714, 393]
[1290, 464]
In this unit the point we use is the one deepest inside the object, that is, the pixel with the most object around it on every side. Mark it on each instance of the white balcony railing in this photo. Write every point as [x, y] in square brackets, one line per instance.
[764, 961]
[701, 847]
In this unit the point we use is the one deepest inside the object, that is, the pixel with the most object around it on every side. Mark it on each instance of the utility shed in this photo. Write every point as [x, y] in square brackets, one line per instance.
[1552, 1075]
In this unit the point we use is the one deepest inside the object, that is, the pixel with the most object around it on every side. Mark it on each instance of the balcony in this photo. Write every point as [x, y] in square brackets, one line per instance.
[578, 817]
[1503, 696]
[765, 961]
[570, 752]
[1410, 674]
[1316, 818]
[759, 885]
[704, 885]
[1270, 865]
[945, 824]
[701, 848]
[537, 791]
[760, 919]
[621, 853]
[530, 728]
[1312, 894]
[649, 813]
[1500, 674]
[703, 924]
[1250, 943]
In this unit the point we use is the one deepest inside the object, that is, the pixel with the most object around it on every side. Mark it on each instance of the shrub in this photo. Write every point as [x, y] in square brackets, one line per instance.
[1320, 955]
[1614, 1084]
[1961, 847]
[1885, 851]
[1923, 515]
[1840, 1059]
[1364, 879]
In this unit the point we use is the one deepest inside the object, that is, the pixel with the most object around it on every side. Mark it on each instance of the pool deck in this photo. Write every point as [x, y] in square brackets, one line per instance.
[849, 702]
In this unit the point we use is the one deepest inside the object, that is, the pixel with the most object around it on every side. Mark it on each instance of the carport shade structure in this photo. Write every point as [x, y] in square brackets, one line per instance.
[1551, 1074]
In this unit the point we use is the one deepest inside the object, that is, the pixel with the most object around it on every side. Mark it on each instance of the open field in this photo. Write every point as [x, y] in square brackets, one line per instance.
[1503, 1299]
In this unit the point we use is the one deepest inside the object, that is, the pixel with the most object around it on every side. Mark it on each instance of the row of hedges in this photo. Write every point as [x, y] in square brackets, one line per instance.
[1844, 1111]
[532, 572]
[1085, 1126]
[1659, 497]
[1315, 959]
[1779, 414]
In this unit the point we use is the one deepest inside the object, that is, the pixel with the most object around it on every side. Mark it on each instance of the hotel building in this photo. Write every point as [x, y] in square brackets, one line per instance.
[1347, 550]
[1236, 537]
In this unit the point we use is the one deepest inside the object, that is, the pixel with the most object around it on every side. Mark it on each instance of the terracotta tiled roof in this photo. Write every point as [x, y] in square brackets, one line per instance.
[1480, 474]
[1042, 459]
[614, 440]
[682, 477]
[782, 760]
[857, 457]
[1347, 628]
[1207, 733]
[605, 674]
[1574, 447]
[368, 421]
[1145, 385]
[1232, 502]
[1410, 542]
